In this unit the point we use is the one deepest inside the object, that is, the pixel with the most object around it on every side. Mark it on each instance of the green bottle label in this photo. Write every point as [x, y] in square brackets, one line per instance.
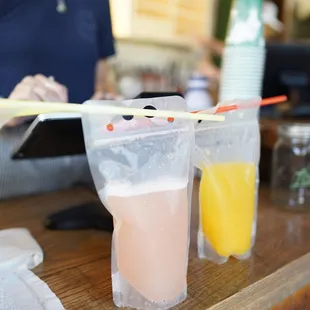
[301, 179]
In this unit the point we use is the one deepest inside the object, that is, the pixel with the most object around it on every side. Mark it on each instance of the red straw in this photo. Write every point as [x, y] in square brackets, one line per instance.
[264, 102]
[226, 108]
[273, 100]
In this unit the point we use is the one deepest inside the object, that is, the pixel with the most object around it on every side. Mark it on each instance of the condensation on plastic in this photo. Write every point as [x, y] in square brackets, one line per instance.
[228, 154]
[143, 173]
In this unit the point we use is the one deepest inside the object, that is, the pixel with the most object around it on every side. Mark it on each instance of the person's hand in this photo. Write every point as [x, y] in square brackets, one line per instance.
[37, 88]
[206, 66]
[214, 46]
[208, 69]
[101, 95]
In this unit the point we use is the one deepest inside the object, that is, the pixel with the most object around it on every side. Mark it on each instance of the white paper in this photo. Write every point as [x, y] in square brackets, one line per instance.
[20, 288]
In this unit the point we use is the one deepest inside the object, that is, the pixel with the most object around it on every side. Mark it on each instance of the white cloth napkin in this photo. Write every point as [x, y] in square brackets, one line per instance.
[21, 289]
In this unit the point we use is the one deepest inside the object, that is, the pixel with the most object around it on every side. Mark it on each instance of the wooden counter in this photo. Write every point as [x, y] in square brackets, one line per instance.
[77, 263]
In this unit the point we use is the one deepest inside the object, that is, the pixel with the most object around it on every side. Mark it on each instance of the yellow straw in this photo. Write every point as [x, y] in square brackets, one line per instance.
[28, 108]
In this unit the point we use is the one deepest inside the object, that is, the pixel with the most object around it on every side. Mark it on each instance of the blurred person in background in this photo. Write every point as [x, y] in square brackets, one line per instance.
[50, 51]
[207, 67]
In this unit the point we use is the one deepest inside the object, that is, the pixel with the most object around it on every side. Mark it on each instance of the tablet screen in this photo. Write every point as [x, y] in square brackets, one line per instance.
[52, 135]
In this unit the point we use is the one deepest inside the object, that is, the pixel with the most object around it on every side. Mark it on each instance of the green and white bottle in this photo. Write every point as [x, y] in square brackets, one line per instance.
[244, 54]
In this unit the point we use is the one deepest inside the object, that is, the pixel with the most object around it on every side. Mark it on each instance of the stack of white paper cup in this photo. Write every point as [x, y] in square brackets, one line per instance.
[242, 72]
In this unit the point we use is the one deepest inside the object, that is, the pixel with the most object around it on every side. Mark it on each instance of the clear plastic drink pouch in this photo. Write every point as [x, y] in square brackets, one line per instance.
[228, 155]
[143, 171]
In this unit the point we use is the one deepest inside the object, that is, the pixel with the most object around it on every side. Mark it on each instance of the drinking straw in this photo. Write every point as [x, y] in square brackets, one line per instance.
[264, 102]
[28, 108]
[273, 100]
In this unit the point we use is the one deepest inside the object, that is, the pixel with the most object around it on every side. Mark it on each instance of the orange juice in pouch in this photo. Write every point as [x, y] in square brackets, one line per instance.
[228, 155]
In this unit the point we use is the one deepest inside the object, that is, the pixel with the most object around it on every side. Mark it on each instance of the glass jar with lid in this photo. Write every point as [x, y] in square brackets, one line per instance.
[290, 183]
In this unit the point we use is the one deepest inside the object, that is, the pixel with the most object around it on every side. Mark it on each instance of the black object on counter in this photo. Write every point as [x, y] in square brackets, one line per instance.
[157, 94]
[64, 134]
[87, 216]
[287, 72]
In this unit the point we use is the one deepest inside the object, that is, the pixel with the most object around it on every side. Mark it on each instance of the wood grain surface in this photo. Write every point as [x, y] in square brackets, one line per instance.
[77, 263]
[288, 286]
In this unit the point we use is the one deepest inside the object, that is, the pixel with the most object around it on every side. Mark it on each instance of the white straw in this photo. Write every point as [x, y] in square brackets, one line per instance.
[27, 108]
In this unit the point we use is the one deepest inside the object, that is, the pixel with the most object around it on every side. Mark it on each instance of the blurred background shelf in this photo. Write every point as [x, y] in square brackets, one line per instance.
[171, 22]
